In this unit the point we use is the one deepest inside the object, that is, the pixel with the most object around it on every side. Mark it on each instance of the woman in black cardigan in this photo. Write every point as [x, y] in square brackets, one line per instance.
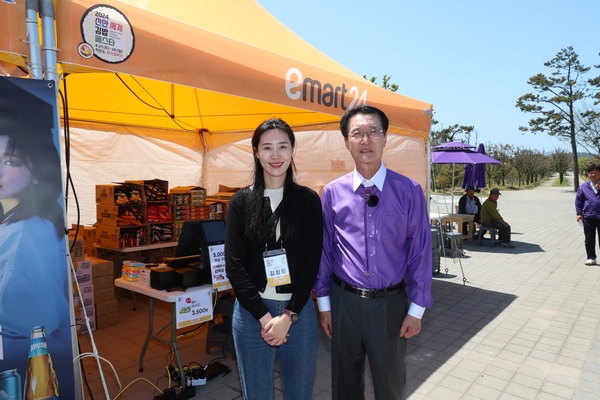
[273, 247]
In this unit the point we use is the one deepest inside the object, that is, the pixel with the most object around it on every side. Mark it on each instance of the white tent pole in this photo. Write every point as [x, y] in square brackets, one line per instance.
[33, 40]
[47, 16]
[49, 39]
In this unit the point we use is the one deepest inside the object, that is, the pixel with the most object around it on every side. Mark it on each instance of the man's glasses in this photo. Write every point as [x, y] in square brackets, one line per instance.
[372, 199]
[373, 133]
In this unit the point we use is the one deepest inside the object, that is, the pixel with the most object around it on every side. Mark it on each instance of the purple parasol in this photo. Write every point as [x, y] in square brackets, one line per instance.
[475, 173]
[459, 153]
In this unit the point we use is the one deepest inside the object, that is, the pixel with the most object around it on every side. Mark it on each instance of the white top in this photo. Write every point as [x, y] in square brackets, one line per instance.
[275, 196]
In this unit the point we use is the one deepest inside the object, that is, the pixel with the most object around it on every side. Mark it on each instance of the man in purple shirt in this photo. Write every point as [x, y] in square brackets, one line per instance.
[587, 210]
[376, 248]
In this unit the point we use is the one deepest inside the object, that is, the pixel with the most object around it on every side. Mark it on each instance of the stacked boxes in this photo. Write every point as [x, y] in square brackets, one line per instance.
[89, 238]
[104, 293]
[76, 246]
[131, 270]
[222, 198]
[158, 210]
[96, 294]
[121, 215]
[83, 295]
[189, 203]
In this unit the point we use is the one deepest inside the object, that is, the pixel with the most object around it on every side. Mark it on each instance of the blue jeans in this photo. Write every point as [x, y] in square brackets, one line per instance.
[256, 358]
[590, 226]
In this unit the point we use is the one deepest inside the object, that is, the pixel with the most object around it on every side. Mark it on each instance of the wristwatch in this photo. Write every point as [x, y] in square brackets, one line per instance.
[293, 316]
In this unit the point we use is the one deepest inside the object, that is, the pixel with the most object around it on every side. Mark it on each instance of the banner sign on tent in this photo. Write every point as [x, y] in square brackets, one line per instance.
[107, 35]
[35, 311]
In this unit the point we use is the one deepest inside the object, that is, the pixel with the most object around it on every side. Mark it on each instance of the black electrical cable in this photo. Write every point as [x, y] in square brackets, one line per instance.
[161, 108]
[69, 180]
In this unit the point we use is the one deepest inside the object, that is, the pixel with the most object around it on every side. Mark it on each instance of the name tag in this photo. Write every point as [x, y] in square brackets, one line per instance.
[276, 267]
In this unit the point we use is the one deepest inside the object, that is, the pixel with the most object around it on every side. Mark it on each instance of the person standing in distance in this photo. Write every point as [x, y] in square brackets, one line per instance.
[587, 209]
[273, 245]
[376, 247]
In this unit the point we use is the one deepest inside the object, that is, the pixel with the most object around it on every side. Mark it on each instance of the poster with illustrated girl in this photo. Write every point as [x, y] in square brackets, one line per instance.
[34, 275]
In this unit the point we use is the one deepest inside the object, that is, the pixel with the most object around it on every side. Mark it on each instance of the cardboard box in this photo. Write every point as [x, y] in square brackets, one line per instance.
[87, 232]
[131, 270]
[117, 237]
[120, 193]
[103, 282]
[103, 321]
[83, 271]
[107, 307]
[76, 250]
[104, 295]
[84, 298]
[154, 189]
[90, 252]
[193, 195]
[80, 322]
[101, 267]
[111, 215]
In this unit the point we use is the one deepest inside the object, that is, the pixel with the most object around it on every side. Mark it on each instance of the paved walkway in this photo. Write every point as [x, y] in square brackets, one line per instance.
[525, 324]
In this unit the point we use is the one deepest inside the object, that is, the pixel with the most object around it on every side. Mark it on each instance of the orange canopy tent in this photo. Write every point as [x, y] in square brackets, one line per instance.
[172, 90]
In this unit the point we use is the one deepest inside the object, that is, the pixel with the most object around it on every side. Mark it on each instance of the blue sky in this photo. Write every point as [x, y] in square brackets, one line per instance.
[471, 59]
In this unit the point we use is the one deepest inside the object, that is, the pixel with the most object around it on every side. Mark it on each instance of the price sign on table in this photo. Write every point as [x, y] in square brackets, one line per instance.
[217, 267]
[194, 308]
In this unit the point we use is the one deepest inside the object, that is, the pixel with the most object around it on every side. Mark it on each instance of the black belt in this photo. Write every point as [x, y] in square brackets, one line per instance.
[369, 293]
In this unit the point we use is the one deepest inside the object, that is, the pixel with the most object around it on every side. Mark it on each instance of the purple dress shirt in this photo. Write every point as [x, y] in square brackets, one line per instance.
[376, 247]
[587, 201]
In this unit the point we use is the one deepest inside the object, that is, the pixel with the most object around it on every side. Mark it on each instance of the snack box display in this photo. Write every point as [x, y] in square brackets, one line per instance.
[154, 189]
[120, 194]
[193, 195]
[158, 213]
[111, 215]
[119, 237]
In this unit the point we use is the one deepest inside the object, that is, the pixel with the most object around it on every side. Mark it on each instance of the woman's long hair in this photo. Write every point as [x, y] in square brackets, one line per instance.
[255, 199]
[27, 122]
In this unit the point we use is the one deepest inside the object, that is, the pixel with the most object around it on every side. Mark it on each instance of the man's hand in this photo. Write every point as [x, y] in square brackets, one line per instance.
[325, 321]
[411, 326]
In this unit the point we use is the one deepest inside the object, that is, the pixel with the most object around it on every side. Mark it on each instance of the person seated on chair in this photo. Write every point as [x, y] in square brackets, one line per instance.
[470, 204]
[491, 217]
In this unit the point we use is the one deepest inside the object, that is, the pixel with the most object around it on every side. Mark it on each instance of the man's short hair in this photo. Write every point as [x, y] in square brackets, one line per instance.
[366, 110]
[593, 167]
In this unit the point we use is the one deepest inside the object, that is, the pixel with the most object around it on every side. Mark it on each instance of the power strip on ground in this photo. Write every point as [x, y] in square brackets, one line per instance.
[195, 382]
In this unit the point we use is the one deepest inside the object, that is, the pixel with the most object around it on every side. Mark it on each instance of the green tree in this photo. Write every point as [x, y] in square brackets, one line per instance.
[385, 82]
[555, 100]
[560, 163]
[454, 133]
[499, 172]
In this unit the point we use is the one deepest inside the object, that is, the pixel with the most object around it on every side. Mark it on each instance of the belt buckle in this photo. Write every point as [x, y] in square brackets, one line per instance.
[363, 293]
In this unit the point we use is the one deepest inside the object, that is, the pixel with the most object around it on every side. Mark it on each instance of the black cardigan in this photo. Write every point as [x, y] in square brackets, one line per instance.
[244, 260]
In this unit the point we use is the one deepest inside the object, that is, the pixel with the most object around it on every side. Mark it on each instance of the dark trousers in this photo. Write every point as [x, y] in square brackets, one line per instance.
[367, 328]
[503, 231]
[590, 226]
